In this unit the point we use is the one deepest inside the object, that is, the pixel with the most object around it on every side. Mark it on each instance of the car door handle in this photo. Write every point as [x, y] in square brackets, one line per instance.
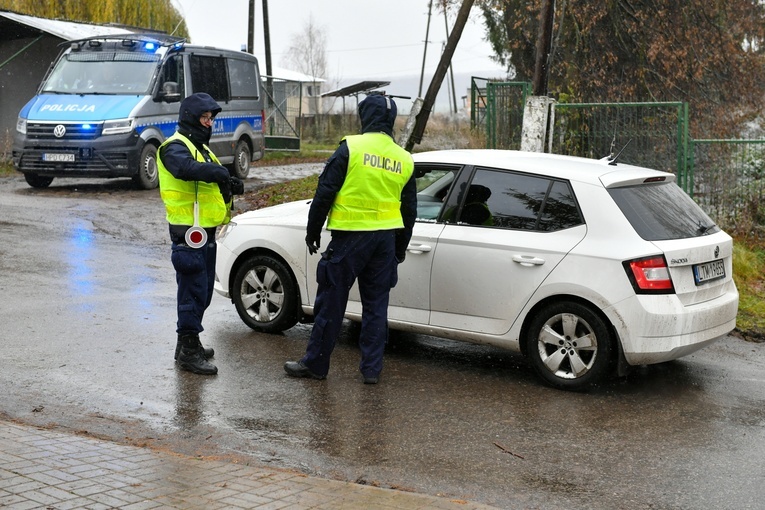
[528, 261]
[418, 249]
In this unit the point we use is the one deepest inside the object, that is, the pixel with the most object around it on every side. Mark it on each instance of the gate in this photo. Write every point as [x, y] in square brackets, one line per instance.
[283, 102]
[505, 102]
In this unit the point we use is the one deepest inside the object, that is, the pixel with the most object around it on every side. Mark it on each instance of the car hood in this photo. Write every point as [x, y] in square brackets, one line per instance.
[291, 213]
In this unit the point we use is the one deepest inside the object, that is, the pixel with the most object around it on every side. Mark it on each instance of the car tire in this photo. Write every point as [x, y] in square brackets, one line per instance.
[242, 160]
[147, 176]
[38, 181]
[265, 294]
[569, 345]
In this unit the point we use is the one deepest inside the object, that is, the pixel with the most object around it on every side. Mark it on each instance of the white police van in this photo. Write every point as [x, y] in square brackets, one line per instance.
[107, 104]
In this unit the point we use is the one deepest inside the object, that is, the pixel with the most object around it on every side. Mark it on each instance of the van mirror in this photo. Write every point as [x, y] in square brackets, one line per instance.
[169, 92]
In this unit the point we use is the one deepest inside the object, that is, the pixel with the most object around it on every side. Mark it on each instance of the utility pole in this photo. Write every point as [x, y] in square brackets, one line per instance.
[451, 67]
[425, 51]
[269, 74]
[251, 28]
[435, 84]
[544, 44]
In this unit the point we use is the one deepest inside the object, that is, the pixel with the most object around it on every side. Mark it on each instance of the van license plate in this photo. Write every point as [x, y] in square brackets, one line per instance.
[57, 157]
[703, 273]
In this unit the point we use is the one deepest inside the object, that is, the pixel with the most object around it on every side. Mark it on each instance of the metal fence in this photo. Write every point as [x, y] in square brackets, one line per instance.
[652, 135]
[283, 103]
[727, 178]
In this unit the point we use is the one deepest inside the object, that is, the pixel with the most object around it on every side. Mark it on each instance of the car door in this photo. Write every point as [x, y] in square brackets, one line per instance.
[485, 269]
[410, 298]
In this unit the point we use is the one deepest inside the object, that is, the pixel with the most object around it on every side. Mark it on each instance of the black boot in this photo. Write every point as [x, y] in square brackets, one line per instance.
[191, 356]
[209, 352]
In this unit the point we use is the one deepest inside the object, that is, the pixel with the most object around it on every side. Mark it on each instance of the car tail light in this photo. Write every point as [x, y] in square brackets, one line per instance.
[649, 275]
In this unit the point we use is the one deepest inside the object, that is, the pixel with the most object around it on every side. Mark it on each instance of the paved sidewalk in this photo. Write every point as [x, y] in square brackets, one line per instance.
[42, 469]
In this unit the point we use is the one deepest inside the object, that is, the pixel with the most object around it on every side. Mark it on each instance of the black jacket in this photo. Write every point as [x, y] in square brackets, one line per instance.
[377, 114]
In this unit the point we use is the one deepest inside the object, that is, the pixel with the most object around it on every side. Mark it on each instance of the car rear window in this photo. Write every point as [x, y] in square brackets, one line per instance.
[662, 211]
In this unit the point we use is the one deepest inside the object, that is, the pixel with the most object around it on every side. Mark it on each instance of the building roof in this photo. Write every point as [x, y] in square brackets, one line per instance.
[289, 75]
[75, 30]
[356, 89]
[67, 30]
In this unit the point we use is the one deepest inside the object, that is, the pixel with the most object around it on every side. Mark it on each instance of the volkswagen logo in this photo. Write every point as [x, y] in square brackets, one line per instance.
[59, 131]
[717, 251]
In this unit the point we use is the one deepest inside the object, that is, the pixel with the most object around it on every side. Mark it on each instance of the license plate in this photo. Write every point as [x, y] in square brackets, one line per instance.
[709, 271]
[57, 157]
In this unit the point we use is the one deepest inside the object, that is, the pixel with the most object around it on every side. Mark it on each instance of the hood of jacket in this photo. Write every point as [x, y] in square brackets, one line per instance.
[377, 114]
[191, 110]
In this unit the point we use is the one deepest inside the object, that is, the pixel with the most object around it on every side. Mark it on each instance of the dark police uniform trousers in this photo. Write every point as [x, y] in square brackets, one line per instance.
[195, 275]
[350, 255]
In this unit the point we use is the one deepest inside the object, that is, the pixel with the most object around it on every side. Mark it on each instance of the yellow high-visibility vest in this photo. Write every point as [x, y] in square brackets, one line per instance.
[370, 198]
[179, 195]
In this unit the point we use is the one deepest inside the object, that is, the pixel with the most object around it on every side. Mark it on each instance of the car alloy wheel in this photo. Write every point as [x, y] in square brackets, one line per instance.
[569, 345]
[265, 294]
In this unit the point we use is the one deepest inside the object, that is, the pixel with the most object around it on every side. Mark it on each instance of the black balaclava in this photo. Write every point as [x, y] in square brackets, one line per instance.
[377, 114]
[191, 110]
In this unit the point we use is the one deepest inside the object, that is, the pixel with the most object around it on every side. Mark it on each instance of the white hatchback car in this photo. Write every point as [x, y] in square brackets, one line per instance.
[584, 266]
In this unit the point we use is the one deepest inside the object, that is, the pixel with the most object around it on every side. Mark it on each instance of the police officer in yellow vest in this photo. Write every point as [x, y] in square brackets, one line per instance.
[368, 191]
[198, 194]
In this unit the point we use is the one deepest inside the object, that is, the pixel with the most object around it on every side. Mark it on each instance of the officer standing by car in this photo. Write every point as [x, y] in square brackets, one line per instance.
[368, 195]
[198, 195]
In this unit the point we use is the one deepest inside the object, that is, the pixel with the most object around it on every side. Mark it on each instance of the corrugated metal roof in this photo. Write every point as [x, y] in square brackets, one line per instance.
[289, 75]
[67, 30]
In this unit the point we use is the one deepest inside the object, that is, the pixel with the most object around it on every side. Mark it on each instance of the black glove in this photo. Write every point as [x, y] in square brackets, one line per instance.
[236, 185]
[400, 257]
[313, 241]
[225, 190]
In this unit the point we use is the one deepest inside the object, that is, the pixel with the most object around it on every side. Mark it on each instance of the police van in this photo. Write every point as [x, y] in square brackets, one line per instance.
[107, 104]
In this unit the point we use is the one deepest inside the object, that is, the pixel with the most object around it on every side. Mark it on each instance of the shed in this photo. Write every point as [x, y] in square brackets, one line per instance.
[28, 47]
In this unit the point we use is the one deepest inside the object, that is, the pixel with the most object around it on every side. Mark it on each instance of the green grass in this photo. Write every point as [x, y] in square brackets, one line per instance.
[6, 169]
[308, 153]
[748, 268]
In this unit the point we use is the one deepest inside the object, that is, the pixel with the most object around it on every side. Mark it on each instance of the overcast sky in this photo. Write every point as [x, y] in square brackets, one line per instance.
[366, 40]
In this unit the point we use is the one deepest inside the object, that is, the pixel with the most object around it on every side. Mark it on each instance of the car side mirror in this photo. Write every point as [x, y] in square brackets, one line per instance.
[169, 92]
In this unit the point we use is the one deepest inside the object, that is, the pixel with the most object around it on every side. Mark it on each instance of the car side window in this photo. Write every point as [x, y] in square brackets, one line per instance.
[433, 185]
[510, 200]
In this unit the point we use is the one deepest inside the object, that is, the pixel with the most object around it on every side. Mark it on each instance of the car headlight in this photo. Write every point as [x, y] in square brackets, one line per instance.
[224, 231]
[21, 125]
[117, 127]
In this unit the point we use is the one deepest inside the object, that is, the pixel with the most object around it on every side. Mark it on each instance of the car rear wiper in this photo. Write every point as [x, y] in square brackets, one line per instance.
[703, 229]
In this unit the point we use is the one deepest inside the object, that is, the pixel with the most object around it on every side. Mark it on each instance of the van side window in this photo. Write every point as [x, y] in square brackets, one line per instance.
[173, 71]
[243, 78]
[208, 74]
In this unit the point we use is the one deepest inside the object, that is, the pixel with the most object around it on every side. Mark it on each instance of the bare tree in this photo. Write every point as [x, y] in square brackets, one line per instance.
[308, 54]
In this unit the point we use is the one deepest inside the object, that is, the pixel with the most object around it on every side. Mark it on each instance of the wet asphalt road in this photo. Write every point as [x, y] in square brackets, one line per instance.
[88, 319]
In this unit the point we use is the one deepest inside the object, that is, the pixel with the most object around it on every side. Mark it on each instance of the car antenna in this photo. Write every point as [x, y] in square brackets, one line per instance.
[612, 159]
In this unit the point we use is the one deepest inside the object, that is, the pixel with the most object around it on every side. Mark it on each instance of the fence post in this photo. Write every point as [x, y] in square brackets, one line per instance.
[535, 122]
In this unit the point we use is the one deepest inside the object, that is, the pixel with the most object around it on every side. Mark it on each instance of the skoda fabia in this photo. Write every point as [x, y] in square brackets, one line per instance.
[584, 266]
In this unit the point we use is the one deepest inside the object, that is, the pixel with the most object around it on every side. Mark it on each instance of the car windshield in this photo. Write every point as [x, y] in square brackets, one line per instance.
[102, 73]
[663, 211]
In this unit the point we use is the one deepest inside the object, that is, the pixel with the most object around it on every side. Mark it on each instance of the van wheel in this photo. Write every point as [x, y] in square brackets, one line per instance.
[38, 181]
[148, 175]
[242, 159]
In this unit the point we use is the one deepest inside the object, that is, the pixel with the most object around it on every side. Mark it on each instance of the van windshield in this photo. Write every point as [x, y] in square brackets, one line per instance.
[103, 73]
